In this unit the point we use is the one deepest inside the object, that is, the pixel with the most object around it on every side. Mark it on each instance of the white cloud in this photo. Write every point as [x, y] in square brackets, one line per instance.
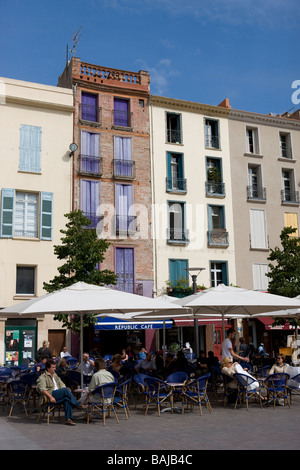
[161, 74]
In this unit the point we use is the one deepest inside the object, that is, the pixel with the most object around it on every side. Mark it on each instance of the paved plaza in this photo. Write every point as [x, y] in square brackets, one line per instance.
[223, 429]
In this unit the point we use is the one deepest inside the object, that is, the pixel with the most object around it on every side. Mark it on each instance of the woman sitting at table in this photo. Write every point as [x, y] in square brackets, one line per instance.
[230, 368]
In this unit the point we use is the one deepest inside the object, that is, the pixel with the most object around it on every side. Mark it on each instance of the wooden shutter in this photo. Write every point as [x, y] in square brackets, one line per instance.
[30, 148]
[258, 229]
[291, 220]
[7, 212]
[46, 216]
[260, 280]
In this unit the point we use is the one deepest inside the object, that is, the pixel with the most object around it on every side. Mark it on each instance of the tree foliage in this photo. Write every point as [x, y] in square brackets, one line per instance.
[82, 251]
[284, 274]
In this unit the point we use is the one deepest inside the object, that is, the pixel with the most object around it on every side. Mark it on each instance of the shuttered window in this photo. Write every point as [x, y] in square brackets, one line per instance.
[291, 220]
[258, 230]
[260, 280]
[30, 148]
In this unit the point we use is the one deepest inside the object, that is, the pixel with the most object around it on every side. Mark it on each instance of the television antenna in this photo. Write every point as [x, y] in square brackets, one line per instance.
[76, 38]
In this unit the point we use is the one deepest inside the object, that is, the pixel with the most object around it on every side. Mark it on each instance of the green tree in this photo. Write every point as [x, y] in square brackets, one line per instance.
[83, 251]
[285, 273]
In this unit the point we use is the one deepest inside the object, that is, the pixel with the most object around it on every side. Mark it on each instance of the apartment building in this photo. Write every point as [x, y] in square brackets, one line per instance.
[111, 167]
[36, 129]
[192, 198]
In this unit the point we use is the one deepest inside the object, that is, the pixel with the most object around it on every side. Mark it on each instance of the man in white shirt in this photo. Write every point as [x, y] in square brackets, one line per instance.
[227, 348]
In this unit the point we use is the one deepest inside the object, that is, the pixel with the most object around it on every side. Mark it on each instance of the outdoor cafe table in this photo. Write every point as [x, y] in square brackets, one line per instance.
[176, 387]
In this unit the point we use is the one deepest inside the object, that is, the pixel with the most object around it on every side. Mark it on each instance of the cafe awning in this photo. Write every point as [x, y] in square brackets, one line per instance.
[268, 322]
[111, 323]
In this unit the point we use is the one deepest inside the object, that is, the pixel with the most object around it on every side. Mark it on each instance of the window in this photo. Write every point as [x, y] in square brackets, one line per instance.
[258, 231]
[125, 220]
[30, 148]
[26, 214]
[174, 133]
[212, 138]
[288, 192]
[285, 145]
[121, 113]
[176, 231]
[291, 220]
[260, 280]
[25, 284]
[177, 271]
[90, 200]
[252, 140]
[90, 161]
[123, 165]
[125, 269]
[217, 234]
[89, 107]
[175, 179]
[214, 185]
[254, 188]
[218, 273]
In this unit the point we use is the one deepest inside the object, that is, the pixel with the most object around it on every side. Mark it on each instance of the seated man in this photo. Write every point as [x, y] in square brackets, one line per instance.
[100, 377]
[53, 388]
[147, 364]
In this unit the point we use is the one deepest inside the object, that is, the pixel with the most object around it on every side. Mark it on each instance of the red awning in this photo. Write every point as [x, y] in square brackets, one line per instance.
[201, 321]
[268, 322]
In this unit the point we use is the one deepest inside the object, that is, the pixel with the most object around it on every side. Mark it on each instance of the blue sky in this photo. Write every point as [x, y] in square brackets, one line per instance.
[195, 50]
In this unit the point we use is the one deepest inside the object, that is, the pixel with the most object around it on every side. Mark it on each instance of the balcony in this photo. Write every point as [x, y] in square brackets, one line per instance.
[285, 151]
[214, 189]
[212, 141]
[128, 286]
[94, 218]
[177, 236]
[124, 169]
[217, 238]
[174, 136]
[126, 224]
[256, 192]
[122, 120]
[176, 185]
[289, 196]
[90, 165]
[89, 114]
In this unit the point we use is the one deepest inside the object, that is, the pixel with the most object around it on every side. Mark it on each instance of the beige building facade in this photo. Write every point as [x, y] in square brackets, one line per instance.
[36, 129]
[265, 174]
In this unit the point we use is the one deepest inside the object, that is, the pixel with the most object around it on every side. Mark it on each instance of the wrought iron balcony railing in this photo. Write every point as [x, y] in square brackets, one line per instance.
[213, 188]
[90, 113]
[126, 224]
[174, 136]
[124, 169]
[90, 165]
[285, 151]
[176, 185]
[217, 238]
[288, 195]
[122, 118]
[94, 218]
[256, 192]
[212, 141]
[177, 235]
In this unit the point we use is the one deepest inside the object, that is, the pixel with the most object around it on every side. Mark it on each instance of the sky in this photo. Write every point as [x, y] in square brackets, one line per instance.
[195, 50]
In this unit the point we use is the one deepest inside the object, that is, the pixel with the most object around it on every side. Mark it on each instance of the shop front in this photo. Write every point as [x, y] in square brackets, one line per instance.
[111, 335]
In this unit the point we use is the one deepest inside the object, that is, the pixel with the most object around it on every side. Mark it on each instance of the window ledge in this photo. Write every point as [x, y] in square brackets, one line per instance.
[290, 160]
[24, 296]
[30, 172]
[255, 155]
[213, 148]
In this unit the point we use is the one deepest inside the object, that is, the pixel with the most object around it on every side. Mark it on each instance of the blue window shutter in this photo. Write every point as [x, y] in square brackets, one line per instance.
[7, 212]
[224, 274]
[30, 148]
[169, 171]
[46, 216]
[177, 270]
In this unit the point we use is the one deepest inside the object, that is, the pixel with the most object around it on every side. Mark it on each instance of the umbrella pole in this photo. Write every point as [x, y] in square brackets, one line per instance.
[164, 341]
[223, 326]
[81, 348]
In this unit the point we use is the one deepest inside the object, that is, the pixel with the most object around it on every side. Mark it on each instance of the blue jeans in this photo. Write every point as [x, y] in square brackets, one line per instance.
[64, 396]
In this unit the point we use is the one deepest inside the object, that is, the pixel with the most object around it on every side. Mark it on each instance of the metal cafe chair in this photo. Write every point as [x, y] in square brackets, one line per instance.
[294, 386]
[121, 397]
[195, 392]
[245, 391]
[277, 387]
[157, 391]
[104, 403]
